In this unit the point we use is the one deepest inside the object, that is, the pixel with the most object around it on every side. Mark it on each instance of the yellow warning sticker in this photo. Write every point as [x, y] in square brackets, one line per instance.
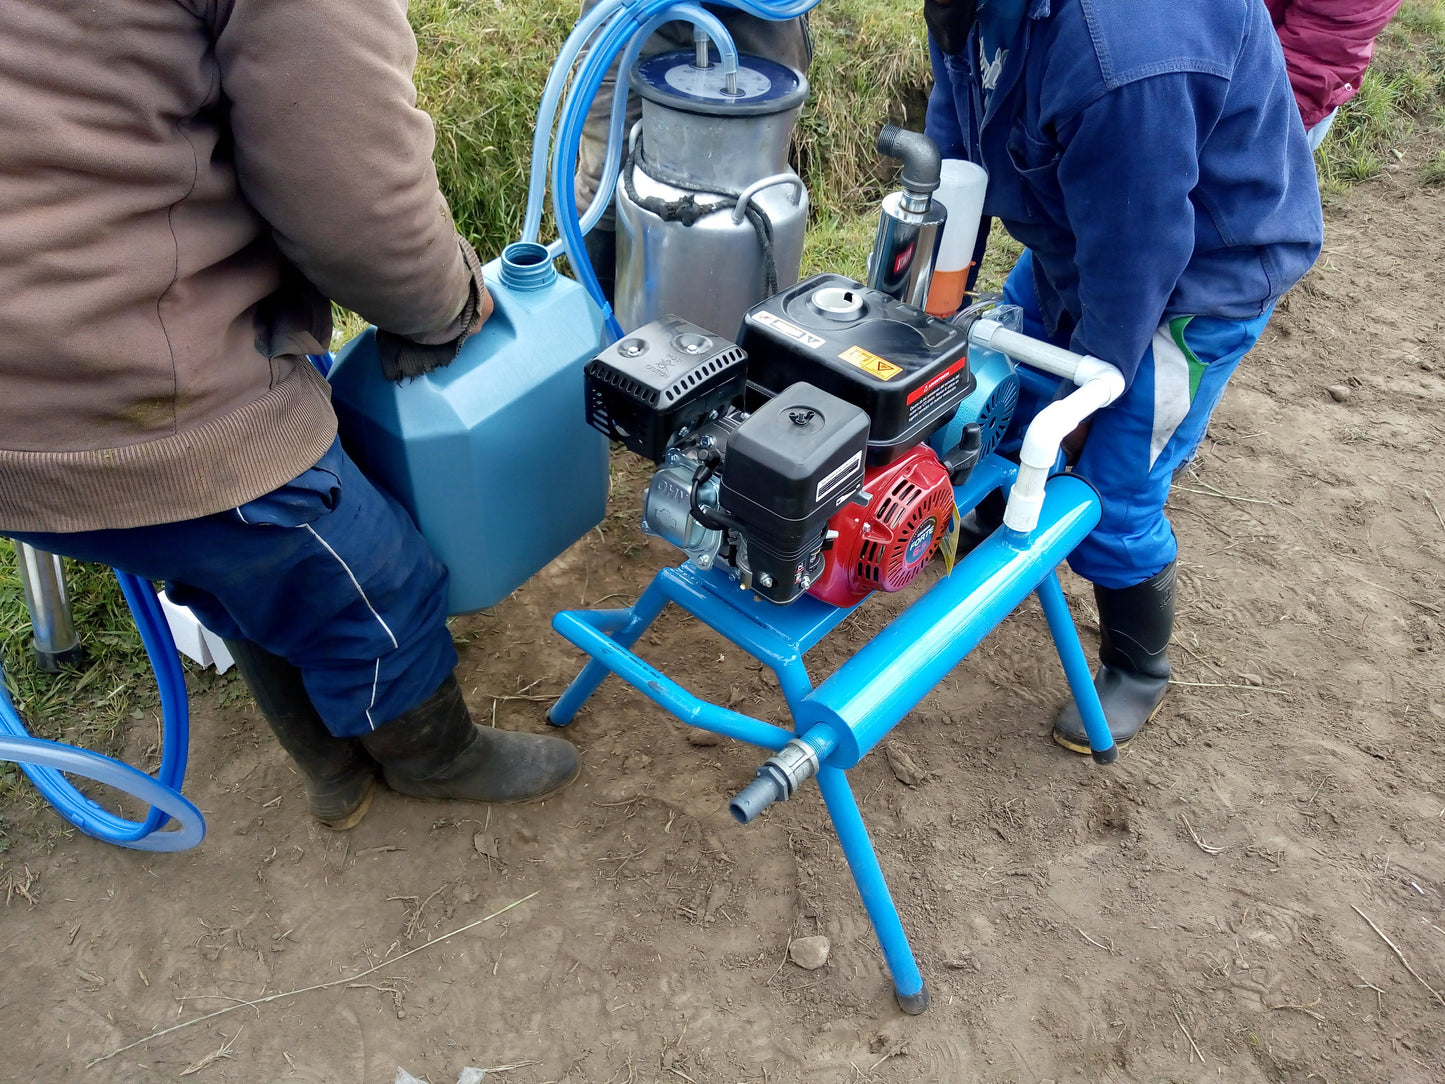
[870, 363]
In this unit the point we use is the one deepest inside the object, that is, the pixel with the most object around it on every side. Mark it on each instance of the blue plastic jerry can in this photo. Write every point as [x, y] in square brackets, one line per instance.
[492, 455]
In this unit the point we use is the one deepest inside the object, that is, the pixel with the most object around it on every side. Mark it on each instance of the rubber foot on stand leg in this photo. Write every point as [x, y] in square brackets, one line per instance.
[53, 662]
[1106, 756]
[914, 1004]
[552, 721]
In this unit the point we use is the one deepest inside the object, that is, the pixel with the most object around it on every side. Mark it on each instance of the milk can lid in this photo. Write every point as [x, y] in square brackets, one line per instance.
[674, 80]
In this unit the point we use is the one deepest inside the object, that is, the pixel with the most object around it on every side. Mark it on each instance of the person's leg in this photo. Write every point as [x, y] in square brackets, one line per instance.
[1133, 449]
[1316, 134]
[330, 575]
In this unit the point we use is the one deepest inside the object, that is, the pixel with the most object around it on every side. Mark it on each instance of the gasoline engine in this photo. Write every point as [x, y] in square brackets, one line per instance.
[796, 457]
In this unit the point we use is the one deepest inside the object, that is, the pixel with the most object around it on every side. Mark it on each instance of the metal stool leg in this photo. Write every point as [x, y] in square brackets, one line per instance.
[908, 984]
[56, 642]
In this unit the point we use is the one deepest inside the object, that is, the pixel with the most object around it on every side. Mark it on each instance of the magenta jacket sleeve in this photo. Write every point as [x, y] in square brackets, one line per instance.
[1327, 47]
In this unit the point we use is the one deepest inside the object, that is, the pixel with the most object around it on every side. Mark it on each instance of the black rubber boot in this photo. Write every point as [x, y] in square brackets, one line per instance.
[602, 251]
[1134, 628]
[436, 751]
[339, 775]
[980, 521]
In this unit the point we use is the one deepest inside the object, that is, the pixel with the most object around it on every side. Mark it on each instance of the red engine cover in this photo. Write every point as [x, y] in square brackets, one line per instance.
[884, 546]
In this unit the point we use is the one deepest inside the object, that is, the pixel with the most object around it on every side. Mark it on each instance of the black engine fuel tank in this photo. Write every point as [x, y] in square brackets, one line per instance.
[908, 371]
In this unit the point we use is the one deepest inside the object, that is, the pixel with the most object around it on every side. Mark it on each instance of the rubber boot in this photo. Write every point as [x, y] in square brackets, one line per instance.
[436, 751]
[980, 521]
[1134, 628]
[602, 251]
[339, 775]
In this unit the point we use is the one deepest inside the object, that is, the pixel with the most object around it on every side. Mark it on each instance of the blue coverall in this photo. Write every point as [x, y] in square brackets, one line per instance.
[1152, 160]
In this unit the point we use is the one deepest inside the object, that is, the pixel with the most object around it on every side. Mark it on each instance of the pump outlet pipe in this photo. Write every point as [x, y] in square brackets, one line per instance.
[1098, 385]
[910, 223]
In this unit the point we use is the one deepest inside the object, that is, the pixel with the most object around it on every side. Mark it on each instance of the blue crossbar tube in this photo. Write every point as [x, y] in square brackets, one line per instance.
[657, 686]
[871, 692]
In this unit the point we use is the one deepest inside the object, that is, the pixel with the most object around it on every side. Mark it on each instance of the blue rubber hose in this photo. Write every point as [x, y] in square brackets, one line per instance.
[44, 761]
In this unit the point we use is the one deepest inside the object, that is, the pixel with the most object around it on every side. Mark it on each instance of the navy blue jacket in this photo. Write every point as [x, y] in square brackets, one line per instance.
[1151, 155]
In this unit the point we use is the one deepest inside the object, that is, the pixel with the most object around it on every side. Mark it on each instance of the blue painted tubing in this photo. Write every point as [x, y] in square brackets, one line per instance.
[658, 687]
[868, 876]
[889, 675]
[1076, 669]
[621, 629]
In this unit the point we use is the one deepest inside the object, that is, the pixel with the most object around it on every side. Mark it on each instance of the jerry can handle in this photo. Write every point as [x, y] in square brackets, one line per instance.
[741, 208]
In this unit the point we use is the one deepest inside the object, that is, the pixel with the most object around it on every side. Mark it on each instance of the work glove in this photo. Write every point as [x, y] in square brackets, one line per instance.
[403, 358]
[949, 21]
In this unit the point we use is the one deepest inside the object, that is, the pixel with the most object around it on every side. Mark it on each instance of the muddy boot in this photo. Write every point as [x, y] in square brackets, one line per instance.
[436, 751]
[1134, 628]
[339, 775]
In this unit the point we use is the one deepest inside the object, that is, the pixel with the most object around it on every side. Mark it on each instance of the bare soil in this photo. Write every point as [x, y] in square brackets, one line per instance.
[1200, 911]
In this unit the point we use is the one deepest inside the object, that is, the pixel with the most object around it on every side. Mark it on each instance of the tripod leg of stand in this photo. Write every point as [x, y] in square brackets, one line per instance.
[908, 985]
[632, 623]
[1076, 669]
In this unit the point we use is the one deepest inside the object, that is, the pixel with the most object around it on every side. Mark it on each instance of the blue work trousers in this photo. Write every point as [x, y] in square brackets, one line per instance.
[326, 571]
[1135, 445]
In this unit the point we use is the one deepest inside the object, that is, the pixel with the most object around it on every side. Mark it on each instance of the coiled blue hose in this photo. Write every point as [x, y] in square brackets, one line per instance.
[44, 761]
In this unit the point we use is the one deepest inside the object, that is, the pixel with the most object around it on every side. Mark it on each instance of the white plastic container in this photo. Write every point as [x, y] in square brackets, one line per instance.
[961, 188]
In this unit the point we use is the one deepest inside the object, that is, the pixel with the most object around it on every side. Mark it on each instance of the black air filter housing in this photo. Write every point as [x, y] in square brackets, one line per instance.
[907, 370]
[665, 378]
[789, 467]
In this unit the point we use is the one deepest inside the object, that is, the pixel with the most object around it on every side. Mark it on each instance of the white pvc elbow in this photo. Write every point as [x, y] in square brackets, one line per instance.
[1099, 384]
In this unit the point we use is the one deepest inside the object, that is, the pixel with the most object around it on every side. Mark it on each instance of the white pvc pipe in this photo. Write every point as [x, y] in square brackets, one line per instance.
[1099, 384]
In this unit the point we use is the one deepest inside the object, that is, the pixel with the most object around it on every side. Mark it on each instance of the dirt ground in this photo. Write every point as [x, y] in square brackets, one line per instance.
[1254, 892]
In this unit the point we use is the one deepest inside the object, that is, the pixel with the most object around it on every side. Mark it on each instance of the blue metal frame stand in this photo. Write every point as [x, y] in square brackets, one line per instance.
[845, 717]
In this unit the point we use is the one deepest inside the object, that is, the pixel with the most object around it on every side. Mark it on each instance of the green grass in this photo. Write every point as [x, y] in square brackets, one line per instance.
[480, 74]
[1402, 93]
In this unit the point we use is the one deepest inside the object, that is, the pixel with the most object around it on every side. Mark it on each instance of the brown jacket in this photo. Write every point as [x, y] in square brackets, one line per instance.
[182, 185]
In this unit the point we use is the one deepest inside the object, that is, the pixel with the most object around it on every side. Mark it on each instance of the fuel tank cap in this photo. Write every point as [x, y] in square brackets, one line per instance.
[674, 80]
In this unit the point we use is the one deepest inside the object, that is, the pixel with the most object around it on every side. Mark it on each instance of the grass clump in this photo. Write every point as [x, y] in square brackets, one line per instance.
[1402, 92]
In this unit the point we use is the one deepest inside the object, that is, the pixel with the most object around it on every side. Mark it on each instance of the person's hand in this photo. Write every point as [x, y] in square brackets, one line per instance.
[402, 357]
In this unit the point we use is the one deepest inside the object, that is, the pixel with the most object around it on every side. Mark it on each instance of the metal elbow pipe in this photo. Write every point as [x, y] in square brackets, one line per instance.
[922, 164]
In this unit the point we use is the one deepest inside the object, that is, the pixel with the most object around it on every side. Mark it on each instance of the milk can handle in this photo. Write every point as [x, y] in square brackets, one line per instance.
[741, 208]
